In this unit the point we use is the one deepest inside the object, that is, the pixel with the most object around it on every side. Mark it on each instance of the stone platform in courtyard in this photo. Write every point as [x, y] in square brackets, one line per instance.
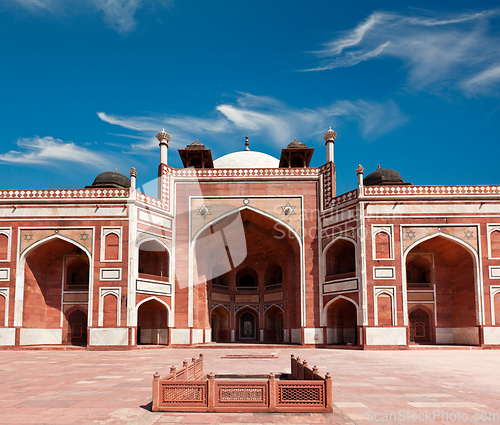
[88, 387]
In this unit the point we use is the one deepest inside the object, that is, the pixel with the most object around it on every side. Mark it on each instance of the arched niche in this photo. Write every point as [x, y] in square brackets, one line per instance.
[274, 276]
[418, 271]
[4, 247]
[46, 265]
[152, 323]
[220, 277]
[274, 324]
[340, 260]
[154, 260]
[247, 279]
[77, 273]
[220, 324]
[454, 297]
[341, 319]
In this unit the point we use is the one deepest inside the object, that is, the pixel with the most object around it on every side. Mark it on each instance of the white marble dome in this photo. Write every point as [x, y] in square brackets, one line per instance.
[247, 159]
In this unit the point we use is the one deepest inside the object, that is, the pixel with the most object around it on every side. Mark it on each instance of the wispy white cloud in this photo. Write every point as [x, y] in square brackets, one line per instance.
[268, 119]
[47, 150]
[484, 81]
[118, 14]
[34, 5]
[435, 49]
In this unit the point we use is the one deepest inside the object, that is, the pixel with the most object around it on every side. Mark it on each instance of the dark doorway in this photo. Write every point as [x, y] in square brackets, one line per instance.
[274, 325]
[77, 327]
[420, 327]
[247, 326]
[152, 323]
[342, 323]
[220, 325]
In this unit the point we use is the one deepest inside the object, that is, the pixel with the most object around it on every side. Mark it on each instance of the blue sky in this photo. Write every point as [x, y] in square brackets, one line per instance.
[86, 85]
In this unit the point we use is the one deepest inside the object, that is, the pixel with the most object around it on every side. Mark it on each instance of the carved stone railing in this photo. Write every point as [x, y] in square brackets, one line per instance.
[410, 190]
[189, 371]
[178, 388]
[154, 277]
[304, 391]
[149, 200]
[343, 199]
[63, 193]
[341, 276]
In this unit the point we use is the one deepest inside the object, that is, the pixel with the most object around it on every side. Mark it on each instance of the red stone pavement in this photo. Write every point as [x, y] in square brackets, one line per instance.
[114, 387]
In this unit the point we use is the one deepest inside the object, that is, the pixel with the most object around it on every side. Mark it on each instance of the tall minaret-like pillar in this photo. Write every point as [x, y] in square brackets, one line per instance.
[330, 141]
[163, 138]
[359, 172]
[133, 175]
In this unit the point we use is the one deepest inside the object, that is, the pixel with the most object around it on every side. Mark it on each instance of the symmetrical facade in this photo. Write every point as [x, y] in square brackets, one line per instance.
[250, 248]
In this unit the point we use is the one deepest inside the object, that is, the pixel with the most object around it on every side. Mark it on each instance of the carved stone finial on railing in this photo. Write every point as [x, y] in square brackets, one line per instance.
[304, 363]
[184, 363]
[298, 359]
[271, 376]
[292, 356]
[211, 376]
[315, 369]
[328, 377]
[193, 359]
[172, 369]
[156, 376]
[201, 354]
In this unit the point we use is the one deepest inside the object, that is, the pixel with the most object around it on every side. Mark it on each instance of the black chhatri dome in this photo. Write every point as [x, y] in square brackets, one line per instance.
[383, 176]
[111, 179]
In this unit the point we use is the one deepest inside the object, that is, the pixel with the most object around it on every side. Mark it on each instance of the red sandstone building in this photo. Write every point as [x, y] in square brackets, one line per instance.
[250, 248]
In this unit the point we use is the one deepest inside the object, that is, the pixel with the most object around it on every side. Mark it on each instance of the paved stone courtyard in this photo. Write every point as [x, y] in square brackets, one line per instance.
[114, 387]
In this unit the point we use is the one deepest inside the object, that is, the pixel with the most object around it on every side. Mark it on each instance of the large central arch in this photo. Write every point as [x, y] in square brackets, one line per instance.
[258, 264]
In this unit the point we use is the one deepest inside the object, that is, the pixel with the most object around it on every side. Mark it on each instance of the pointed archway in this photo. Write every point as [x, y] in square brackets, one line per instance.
[258, 264]
[76, 327]
[219, 323]
[50, 269]
[420, 325]
[441, 292]
[152, 323]
[247, 322]
[273, 318]
[341, 315]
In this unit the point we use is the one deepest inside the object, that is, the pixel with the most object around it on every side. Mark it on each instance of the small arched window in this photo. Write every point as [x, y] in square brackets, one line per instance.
[3, 306]
[4, 247]
[112, 247]
[384, 307]
[382, 245]
[110, 312]
[495, 244]
[496, 308]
